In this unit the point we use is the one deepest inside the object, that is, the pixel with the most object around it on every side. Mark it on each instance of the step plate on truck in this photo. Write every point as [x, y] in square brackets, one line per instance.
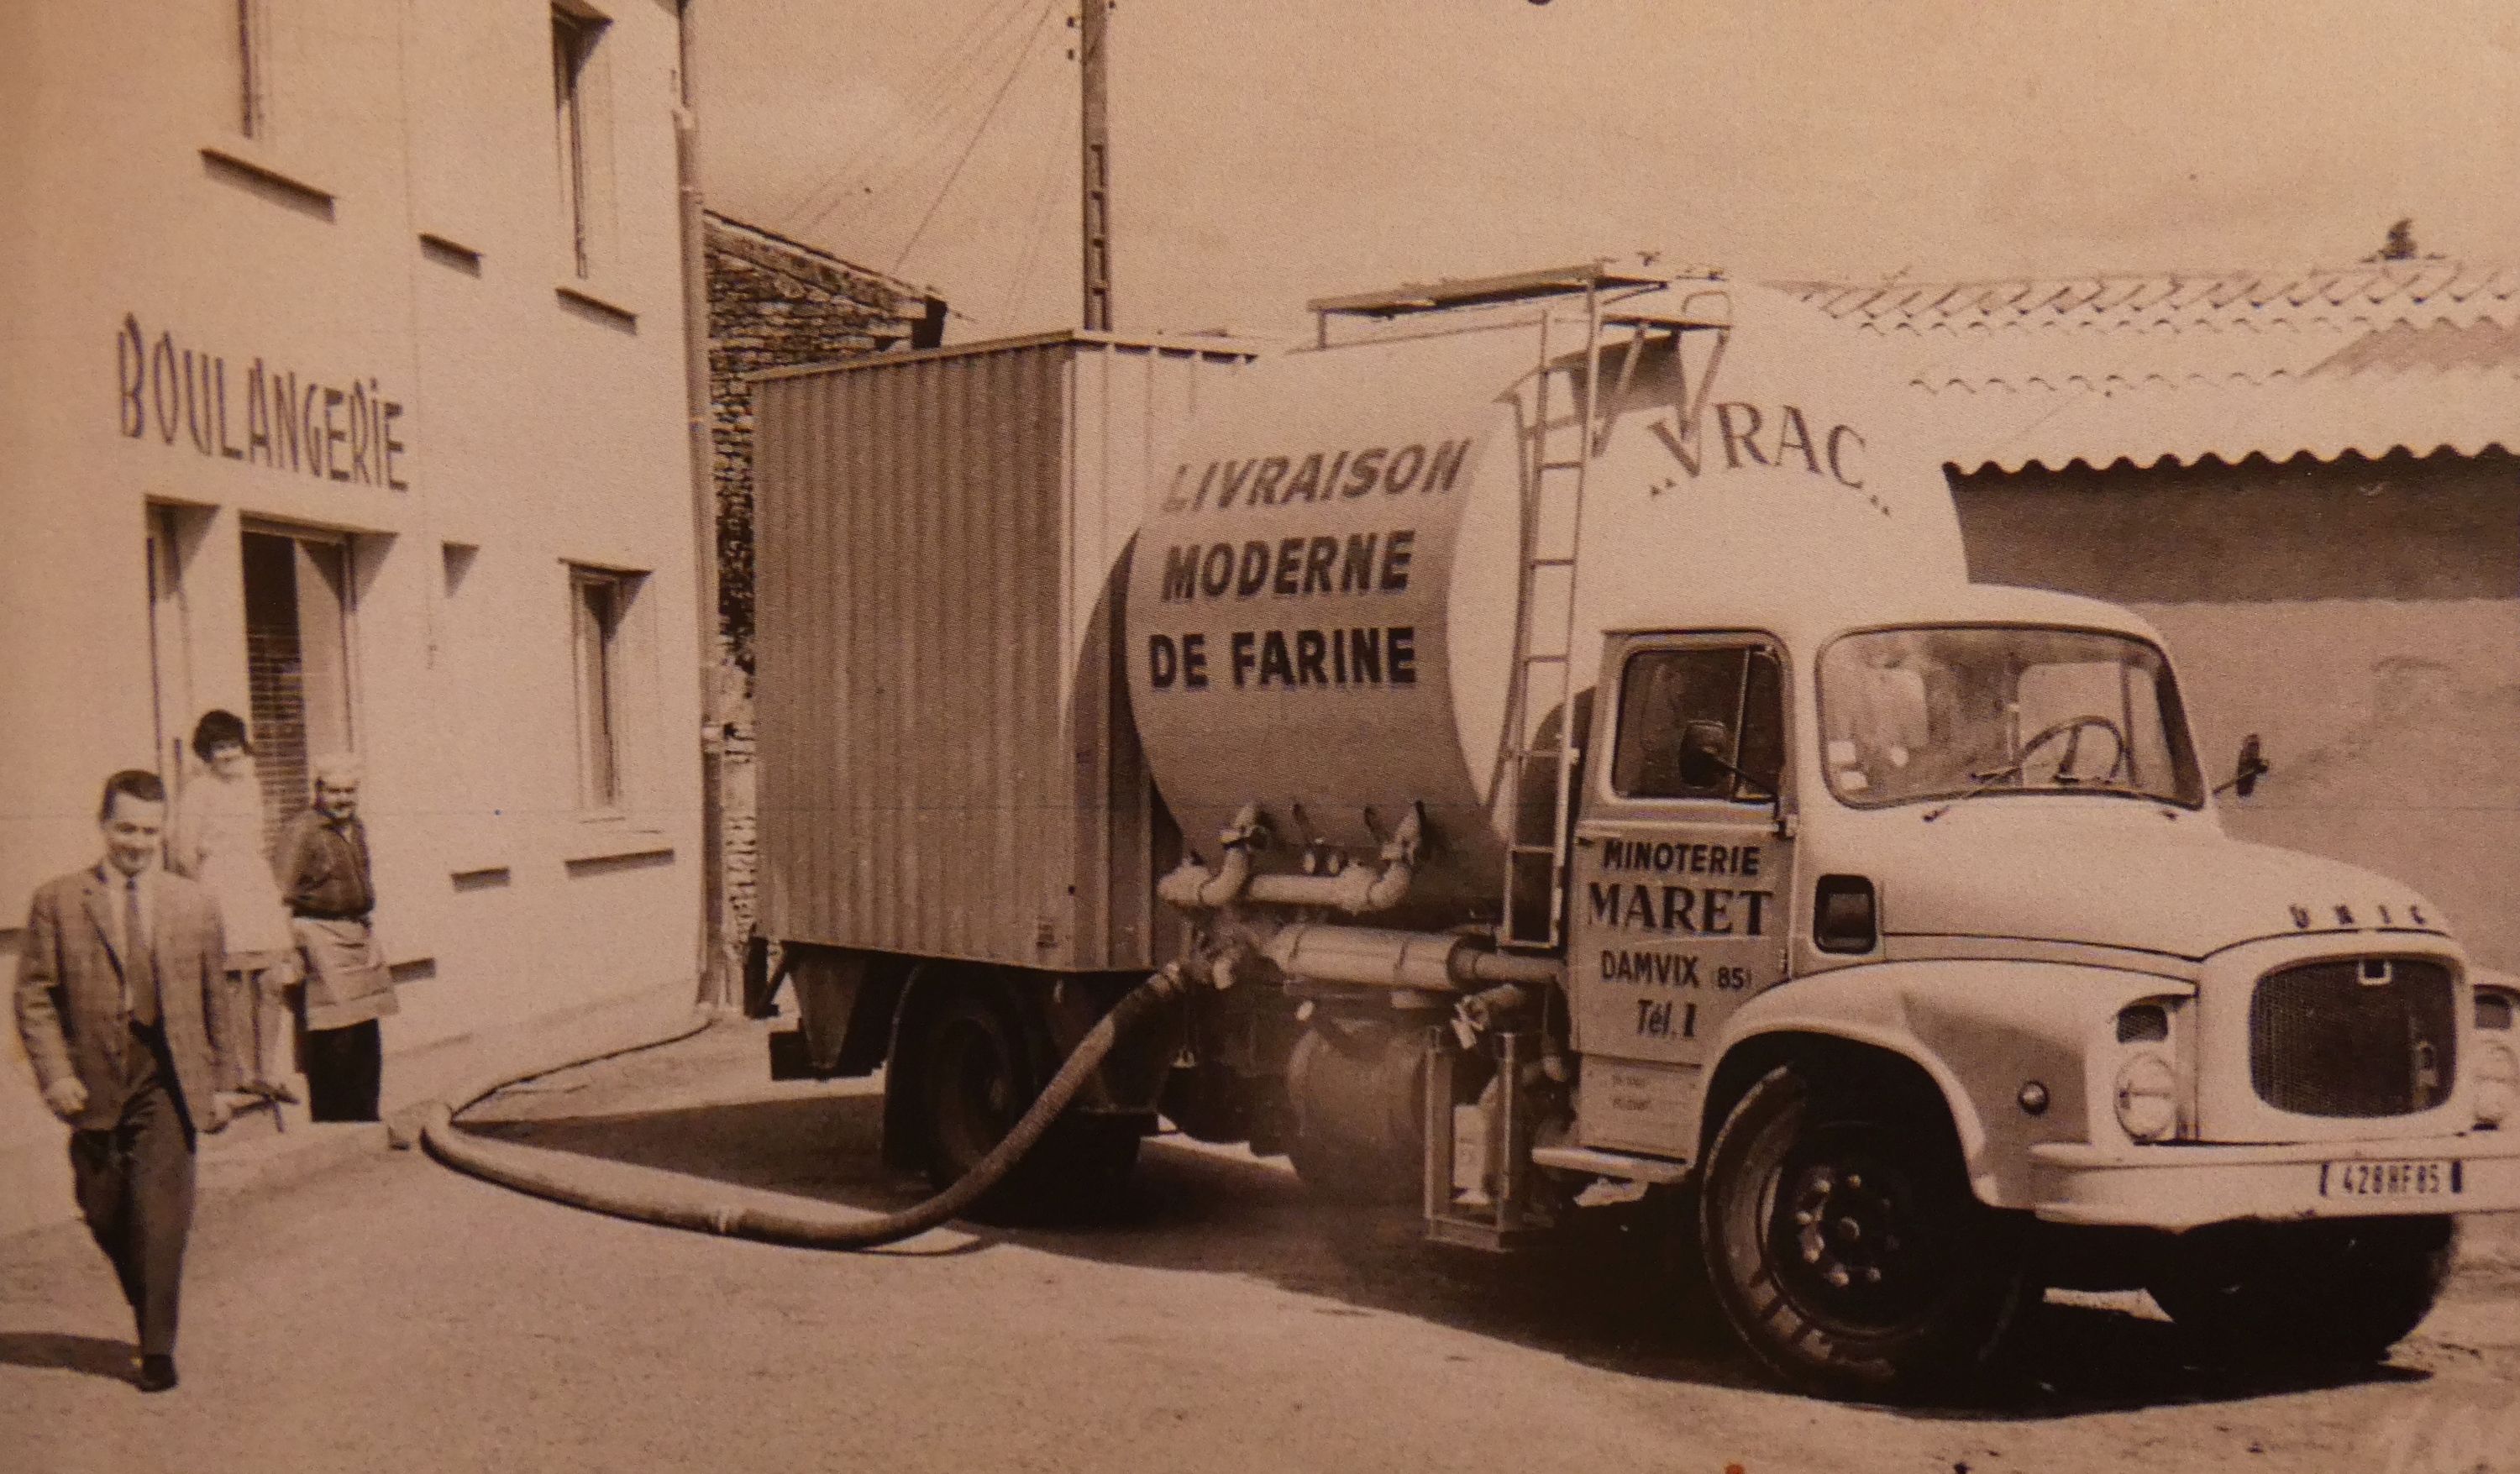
[1629, 1105]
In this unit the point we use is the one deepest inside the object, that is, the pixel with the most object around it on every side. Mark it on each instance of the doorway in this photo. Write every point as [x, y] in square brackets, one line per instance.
[297, 610]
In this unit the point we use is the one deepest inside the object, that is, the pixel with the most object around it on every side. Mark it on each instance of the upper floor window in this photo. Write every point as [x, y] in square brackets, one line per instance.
[575, 36]
[599, 606]
[253, 67]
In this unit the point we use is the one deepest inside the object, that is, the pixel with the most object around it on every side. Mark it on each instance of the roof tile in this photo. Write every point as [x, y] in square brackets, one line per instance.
[2177, 365]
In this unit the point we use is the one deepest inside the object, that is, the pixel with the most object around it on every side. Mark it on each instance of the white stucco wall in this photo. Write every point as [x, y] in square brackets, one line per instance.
[539, 426]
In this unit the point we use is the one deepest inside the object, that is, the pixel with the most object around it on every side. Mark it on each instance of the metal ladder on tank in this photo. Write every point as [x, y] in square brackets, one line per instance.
[1560, 446]
[1561, 449]
[1558, 455]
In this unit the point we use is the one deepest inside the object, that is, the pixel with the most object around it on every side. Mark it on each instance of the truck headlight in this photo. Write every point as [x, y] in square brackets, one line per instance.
[2498, 1083]
[2148, 1097]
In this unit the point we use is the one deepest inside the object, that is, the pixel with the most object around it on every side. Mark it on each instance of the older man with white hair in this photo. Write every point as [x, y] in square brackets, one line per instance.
[321, 862]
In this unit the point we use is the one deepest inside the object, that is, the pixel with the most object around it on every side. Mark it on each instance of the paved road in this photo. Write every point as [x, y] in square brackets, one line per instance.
[389, 1315]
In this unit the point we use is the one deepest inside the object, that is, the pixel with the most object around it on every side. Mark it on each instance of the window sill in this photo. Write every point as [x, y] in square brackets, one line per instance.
[256, 169]
[450, 253]
[495, 874]
[608, 837]
[591, 299]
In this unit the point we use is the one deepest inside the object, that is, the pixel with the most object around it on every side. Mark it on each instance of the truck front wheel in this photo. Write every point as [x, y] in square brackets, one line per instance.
[1843, 1243]
[978, 1080]
[2340, 1291]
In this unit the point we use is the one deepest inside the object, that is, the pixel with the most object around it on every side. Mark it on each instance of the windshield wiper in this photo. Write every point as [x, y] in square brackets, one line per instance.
[1982, 782]
[2071, 730]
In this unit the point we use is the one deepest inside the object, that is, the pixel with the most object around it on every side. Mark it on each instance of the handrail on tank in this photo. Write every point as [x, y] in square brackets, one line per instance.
[1595, 275]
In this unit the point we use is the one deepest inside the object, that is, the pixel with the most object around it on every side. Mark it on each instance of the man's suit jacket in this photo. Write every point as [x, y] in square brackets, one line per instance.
[69, 989]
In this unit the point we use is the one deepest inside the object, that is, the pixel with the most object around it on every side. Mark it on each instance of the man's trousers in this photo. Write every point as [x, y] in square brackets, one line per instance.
[134, 1182]
[344, 1072]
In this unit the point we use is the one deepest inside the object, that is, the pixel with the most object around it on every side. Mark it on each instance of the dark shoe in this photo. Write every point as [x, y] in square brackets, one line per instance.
[156, 1374]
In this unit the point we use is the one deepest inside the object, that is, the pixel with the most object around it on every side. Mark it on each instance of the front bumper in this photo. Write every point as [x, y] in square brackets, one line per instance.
[2178, 1187]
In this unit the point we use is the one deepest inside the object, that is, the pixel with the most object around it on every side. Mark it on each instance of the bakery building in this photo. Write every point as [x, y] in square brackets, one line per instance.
[352, 395]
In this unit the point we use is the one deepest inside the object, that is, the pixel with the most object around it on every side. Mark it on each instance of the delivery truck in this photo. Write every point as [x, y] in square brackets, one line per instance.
[1546, 726]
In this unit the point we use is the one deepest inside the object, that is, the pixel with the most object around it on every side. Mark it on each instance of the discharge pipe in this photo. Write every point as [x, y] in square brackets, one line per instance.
[1355, 890]
[672, 1200]
[1425, 962]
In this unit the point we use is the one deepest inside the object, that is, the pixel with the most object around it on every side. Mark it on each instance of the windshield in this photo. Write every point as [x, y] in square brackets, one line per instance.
[1943, 712]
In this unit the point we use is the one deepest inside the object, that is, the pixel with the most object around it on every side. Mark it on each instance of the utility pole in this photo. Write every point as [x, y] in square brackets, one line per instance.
[1091, 30]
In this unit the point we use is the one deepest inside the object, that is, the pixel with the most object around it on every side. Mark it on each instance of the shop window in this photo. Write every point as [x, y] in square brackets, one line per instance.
[297, 662]
[600, 605]
[578, 118]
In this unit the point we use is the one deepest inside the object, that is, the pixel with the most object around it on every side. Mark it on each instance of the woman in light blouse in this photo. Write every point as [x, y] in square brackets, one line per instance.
[218, 839]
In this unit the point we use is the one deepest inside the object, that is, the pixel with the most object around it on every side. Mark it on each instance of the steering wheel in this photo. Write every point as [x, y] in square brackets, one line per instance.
[2071, 729]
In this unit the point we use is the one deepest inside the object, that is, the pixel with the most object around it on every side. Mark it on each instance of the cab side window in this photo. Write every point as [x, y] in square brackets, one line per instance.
[1732, 694]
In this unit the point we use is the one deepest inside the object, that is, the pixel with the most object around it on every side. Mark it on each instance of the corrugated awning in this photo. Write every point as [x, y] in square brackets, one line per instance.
[2418, 356]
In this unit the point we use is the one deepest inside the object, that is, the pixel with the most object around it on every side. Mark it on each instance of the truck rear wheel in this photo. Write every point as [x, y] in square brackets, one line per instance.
[1844, 1245]
[2340, 1291]
[978, 1080]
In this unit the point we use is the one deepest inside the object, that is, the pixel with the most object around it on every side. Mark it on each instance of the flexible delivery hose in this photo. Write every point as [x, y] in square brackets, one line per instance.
[648, 1196]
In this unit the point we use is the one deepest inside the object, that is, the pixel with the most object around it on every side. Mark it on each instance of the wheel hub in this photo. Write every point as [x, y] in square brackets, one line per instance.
[1846, 1229]
[1851, 1240]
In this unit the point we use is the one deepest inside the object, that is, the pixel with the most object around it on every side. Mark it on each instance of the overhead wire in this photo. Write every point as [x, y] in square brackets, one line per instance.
[1039, 216]
[920, 162]
[933, 123]
[1022, 57]
[935, 90]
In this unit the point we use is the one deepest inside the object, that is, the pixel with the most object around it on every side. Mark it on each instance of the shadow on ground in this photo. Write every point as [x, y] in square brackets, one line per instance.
[57, 1351]
[1615, 1291]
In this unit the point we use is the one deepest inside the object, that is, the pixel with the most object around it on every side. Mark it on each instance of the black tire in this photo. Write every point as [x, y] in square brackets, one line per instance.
[1844, 1246]
[976, 1079]
[2336, 1292]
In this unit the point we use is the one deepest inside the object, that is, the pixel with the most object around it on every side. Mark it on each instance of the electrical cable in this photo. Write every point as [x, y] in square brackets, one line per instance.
[935, 91]
[924, 155]
[1022, 57]
[1039, 222]
[916, 130]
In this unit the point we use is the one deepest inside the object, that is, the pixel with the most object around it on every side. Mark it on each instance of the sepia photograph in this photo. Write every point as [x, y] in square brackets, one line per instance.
[1738, 737]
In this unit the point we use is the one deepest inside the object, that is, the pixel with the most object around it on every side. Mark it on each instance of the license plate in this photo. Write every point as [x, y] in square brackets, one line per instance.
[2390, 1179]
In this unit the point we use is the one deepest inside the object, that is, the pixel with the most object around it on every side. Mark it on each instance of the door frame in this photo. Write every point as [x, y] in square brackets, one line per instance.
[1606, 814]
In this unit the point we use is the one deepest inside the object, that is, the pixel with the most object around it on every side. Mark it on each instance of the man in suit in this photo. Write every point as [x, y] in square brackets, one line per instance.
[120, 1003]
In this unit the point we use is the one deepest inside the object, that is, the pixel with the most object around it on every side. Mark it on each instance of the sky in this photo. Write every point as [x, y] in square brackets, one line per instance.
[1268, 151]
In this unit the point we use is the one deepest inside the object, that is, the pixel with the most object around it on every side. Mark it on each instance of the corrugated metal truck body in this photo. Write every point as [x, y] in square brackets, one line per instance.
[947, 764]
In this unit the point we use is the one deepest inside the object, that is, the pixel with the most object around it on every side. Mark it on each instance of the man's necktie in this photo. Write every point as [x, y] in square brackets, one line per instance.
[139, 959]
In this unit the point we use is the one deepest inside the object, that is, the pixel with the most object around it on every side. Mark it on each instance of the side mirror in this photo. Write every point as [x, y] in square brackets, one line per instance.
[1702, 764]
[2251, 767]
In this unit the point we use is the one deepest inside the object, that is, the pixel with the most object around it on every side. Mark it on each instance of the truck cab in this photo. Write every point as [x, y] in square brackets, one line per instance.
[1913, 921]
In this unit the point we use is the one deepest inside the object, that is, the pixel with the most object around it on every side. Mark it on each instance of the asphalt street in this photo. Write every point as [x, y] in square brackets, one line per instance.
[389, 1315]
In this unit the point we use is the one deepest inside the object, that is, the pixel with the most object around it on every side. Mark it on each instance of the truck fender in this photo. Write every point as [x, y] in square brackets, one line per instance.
[1981, 1031]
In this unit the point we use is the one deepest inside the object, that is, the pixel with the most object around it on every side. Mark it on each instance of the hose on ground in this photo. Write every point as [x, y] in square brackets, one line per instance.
[674, 1200]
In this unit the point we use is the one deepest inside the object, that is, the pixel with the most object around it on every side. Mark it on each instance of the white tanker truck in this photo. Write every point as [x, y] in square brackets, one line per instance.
[1549, 727]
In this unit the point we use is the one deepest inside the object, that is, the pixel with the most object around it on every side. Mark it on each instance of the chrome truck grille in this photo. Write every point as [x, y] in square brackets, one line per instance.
[2354, 1037]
